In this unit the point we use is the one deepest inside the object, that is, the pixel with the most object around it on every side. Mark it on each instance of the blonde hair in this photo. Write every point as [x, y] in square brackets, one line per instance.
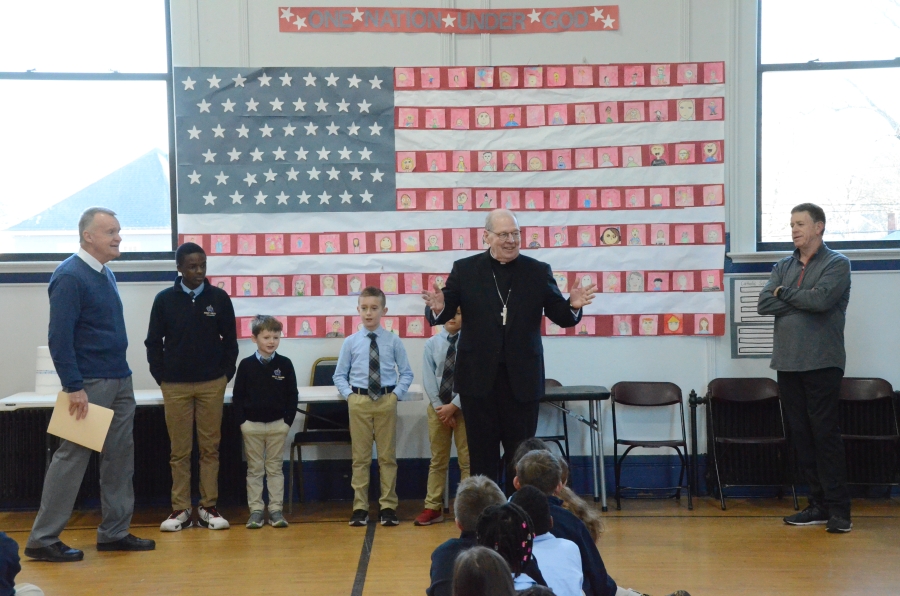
[579, 507]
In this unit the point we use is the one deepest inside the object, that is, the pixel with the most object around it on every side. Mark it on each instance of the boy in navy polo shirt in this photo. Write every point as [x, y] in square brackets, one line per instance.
[265, 404]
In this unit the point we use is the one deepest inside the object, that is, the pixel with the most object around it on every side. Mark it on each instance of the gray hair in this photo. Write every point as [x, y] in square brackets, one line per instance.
[489, 219]
[87, 218]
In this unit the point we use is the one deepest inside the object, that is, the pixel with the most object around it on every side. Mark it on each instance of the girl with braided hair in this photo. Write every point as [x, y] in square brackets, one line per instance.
[508, 530]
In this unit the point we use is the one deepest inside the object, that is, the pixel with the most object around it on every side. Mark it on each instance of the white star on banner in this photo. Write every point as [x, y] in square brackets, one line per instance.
[364, 106]
[365, 153]
[311, 129]
[213, 82]
[376, 83]
[376, 175]
[333, 129]
[279, 153]
[292, 174]
[332, 80]
[221, 178]
[242, 131]
[321, 105]
[188, 84]
[270, 175]
[355, 174]
[282, 198]
[289, 130]
[354, 81]
[597, 14]
[266, 130]
[608, 22]
[313, 173]
[449, 21]
[251, 105]
[324, 198]
[228, 106]
[332, 173]
[287, 14]
[204, 106]
[357, 14]
[323, 154]
[345, 153]
[234, 154]
[301, 154]
[345, 197]
[236, 198]
[310, 80]
[366, 196]
[218, 131]
[194, 132]
[352, 129]
[239, 81]
[300, 22]
[286, 80]
[257, 155]
[250, 179]
[343, 105]
[376, 130]
[299, 106]
[210, 199]
[304, 197]
[260, 198]
[535, 16]
[264, 80]
[276, 104]
[195, 177]
[209, 156]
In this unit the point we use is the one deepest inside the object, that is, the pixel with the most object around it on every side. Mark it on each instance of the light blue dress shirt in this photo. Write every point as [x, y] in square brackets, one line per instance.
[197, 291]
[353, 363]
[560, 563]
[433, 368]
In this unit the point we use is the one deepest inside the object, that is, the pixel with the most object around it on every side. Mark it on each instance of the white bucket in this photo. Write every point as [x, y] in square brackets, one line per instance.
[46, 381]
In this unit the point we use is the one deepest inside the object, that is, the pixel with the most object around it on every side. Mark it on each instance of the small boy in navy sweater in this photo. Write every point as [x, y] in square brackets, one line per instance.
[265, 404]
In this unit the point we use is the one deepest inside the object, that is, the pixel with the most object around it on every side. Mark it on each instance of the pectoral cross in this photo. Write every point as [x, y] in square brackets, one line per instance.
[503, 314]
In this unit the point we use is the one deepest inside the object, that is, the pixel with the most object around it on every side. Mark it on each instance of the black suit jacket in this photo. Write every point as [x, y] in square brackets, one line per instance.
[534, 293]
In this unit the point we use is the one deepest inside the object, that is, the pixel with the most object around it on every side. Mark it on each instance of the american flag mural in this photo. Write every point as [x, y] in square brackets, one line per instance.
[305, 185]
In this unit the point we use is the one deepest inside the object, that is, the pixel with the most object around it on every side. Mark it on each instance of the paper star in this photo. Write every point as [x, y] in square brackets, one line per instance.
[195, 177]
[364, 106]
[279, 153]
[366, 196]
[218, 131]
[332, 80]
[608, 22]
[251, 105]
[221, 178]
[287, 14]
[210, 199]
[323, 154]
[304, 198]
[213, 82]
[209, 156]
[239, 81]
[301, 154]
[234, 154]
[292, 174]
[188, 84]
[311, 129]
[286, 80]
[355, 174]
[354, 81]
[228, 106]
[535, 16]
[300, 22]
[345, 197]
[352, 129]
[299, 105]
[321, 105]
[324, 198]
[332, 173]
[257, 154]
[333, 129]
[276, 104]
[282, 198]
[204, 106]
[310, 80]
[236, 198]
[376, 129]
[288, 130]
[195, 133]
[313, 173]
[376, 83]
[376, 175]
[365, 153]
[449, 21]
[242, 131]
[260, 198]
[345, 153]
[597, 14]
[270, 175]
[343, 105]
[264, 80]
[357, 14]
[250, 179]
[266, 130]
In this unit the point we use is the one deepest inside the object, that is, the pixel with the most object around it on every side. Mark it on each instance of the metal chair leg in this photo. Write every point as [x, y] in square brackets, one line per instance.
[291, 482]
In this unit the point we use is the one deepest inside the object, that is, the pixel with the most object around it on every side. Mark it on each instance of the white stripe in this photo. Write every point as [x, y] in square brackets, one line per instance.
[411, 305]
[559, 137]
[420, 220]
[646, 176]
[614, 258]
[523, 97]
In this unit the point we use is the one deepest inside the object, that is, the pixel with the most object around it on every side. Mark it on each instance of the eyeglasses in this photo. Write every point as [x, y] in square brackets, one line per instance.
[504, 236]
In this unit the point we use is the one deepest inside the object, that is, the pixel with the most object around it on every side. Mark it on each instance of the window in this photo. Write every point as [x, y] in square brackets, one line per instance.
[86, 96]
[829, 119]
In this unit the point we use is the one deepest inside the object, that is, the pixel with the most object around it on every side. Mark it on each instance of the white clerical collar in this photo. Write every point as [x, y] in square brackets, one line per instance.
[88, 258]
[491, 252]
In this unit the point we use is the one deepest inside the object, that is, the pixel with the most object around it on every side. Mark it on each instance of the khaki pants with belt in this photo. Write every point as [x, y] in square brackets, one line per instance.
[373, 420]
[264, 448]
[186, 403]
[440, 437]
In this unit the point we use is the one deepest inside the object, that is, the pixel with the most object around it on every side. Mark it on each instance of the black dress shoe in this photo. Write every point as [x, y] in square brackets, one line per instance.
[55, 553]
[130, 542]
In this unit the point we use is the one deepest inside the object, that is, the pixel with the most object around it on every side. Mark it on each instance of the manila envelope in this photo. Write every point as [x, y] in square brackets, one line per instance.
[90, 431]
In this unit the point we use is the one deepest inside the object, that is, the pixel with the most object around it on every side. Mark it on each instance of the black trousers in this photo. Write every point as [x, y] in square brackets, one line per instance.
[493, 419]
[810, 401]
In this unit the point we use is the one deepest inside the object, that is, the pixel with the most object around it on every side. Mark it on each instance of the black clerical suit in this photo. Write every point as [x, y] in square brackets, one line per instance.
[500, 368]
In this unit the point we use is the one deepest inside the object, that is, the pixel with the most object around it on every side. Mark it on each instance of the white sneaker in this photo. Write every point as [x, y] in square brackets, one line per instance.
[177, 521]
[210, 518]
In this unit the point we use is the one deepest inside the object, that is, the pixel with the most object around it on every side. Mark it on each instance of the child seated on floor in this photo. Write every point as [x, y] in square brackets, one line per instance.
[508, 530]
[480, 571]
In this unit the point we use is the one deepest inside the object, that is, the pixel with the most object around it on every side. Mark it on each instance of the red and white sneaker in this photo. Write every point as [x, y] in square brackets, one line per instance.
[177, 521]
[428, 517]
[210, 518]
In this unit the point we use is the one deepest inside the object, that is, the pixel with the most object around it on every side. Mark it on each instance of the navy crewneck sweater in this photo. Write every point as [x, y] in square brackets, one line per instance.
[87, 326]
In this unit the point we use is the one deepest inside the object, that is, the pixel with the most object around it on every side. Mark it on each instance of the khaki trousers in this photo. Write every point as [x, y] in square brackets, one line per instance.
[264, 448]
[186, 403]
[373, 420]
[440, 437]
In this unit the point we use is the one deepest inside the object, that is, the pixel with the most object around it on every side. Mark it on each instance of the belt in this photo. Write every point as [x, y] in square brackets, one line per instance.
[364, 391]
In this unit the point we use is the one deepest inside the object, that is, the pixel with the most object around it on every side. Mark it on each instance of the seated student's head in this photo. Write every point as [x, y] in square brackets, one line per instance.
[535, 504]
[474, 495]
[266, 332]
[508, 530]
[539, 469]
[527, 445]
[480, 571]
[371, 307]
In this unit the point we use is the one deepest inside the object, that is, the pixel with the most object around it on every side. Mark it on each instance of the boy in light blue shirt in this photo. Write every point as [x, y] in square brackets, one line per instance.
[372, 374]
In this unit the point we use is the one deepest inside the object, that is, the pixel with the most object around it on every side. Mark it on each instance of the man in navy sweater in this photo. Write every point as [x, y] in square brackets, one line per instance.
[192, 350]
[87, 343]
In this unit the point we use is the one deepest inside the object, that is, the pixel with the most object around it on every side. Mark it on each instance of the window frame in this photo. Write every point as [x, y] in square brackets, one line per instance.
[170, 111]
[811, 66]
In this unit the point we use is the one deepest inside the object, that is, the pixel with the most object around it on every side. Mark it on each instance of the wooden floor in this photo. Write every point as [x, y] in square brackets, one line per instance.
[651, 546]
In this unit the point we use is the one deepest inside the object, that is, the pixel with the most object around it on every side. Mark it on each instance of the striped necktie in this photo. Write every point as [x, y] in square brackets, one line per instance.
[446, 390]
[374, 368]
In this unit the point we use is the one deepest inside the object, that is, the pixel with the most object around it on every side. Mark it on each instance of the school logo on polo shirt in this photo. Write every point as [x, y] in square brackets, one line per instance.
[276, 374]
[210, 311]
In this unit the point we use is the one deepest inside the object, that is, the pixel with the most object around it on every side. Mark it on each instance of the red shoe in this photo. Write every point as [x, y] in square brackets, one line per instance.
[428, 517]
